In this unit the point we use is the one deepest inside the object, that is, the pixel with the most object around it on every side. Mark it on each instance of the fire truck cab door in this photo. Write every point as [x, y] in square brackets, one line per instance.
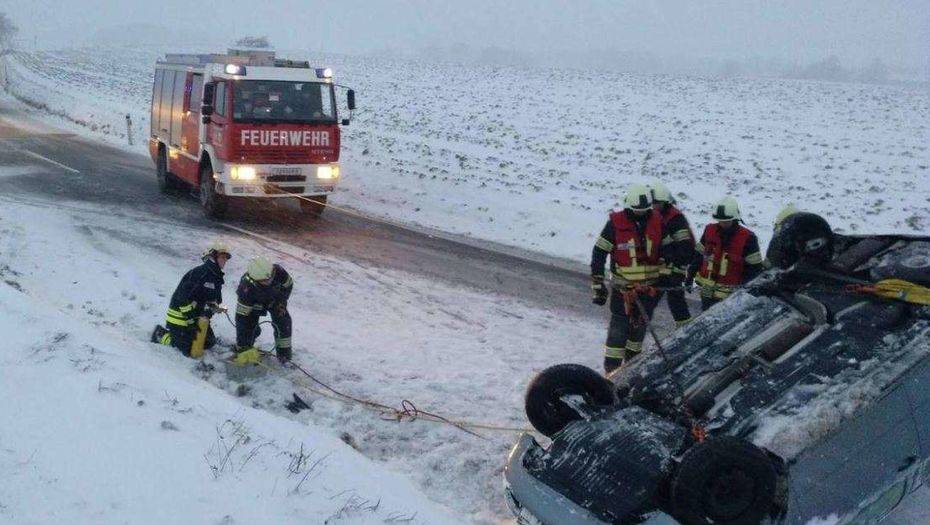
[216, 129]
[188, 163]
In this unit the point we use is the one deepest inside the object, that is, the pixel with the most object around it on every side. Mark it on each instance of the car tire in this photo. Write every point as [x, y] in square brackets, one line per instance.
[214, 204]
[726, 481]
[546, 410]
[167, 183]
[313, 207]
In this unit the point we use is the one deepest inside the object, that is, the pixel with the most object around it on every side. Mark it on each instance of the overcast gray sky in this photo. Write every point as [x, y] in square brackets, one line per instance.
[793, 30]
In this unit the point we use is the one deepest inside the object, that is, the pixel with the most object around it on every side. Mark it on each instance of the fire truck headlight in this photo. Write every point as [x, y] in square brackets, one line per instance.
[242, 173]
[235, 69]
[327, 172]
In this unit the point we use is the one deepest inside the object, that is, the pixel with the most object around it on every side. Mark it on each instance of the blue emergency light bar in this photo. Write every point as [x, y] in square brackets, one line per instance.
[324, 72]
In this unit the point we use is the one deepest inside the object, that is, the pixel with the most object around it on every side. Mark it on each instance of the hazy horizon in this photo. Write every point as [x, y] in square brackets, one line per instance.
[857, 32]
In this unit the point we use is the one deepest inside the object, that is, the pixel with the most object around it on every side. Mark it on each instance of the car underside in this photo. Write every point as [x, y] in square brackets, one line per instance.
[717, 424]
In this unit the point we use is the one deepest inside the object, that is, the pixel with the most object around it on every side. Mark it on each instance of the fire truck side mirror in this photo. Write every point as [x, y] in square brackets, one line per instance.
[206, 110]
[209, 91]
[351, 99]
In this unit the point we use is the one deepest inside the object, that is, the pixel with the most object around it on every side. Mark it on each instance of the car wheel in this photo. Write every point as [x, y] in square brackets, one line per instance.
[724, 480]
[313, 206]
[214, 204]
[545, 406]
[166, 181]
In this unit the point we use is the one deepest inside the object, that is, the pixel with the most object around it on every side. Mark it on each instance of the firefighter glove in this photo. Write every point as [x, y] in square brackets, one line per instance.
[212, 308]
[599, 290]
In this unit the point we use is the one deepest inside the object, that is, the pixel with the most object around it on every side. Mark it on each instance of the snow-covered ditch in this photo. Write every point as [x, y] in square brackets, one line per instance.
[534, 158]
[100, 423]
[101, 427]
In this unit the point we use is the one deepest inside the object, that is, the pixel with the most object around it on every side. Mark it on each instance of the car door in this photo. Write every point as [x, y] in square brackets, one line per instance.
[858, 462]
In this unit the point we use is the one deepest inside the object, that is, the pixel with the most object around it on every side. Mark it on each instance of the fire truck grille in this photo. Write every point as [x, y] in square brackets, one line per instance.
[276, 157]
[286, 178]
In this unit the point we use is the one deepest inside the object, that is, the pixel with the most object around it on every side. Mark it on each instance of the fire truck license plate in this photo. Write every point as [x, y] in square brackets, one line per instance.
[285, 171]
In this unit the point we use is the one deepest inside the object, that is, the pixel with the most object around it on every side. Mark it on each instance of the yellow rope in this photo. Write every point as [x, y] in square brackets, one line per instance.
[408, 412]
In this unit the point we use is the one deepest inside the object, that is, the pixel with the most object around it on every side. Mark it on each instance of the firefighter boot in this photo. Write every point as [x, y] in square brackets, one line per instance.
[284, 354]
[611, 364]
[160, 335]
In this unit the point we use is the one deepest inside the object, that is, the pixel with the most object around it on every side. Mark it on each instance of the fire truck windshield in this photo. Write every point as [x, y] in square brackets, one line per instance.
[283, 101]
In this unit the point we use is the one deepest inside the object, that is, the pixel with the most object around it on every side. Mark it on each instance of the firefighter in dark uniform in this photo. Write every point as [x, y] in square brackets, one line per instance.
[729, 255]
[633, 239]
[785, 212]
[265, 288]
[197, 296]
[677, 253]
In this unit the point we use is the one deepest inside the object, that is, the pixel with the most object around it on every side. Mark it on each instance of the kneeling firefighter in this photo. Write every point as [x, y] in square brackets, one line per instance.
[265, 288]
[633, 239]
[197, 297]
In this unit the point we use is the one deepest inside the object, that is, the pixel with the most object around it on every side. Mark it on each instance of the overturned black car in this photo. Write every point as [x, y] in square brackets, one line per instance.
[804, 396]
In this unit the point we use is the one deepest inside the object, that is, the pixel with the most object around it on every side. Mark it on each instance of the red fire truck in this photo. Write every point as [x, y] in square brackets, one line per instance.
[246, 125]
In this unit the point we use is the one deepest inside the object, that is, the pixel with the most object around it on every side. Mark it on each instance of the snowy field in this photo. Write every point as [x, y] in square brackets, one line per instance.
[88, 283]
[534, 158]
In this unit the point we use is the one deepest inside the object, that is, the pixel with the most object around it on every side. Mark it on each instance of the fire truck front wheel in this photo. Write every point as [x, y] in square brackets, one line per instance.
[214, 204]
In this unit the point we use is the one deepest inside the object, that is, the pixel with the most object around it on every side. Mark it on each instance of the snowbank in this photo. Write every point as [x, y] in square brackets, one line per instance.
[100, 427]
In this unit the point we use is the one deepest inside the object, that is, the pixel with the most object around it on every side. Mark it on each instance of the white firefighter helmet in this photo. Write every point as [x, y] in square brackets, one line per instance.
[216, 247]
[727, 210]
[260, 269]
[785, 212]
[638, 197]
[661, 194]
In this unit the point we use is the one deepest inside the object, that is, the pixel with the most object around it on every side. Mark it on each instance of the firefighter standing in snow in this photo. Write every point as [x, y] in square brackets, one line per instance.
[633, 239]
[677, 252]
[729, 255]
[265, 288]
[196, 298]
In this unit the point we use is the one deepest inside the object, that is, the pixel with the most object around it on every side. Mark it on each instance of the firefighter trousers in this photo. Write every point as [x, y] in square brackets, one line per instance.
[627, 330]
[183, 337]
[675, 298]
[707, 302]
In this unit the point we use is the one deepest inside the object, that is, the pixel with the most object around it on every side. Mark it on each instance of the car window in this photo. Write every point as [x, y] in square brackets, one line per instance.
[882, 505]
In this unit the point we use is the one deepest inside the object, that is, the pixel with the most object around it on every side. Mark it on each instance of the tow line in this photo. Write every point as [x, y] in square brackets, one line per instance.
[407, 412]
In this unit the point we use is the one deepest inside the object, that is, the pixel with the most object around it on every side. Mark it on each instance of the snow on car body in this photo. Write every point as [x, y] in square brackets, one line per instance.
[245, 124]
[815, 398]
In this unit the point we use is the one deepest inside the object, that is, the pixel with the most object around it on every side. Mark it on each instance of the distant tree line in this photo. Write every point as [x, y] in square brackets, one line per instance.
[7, 31]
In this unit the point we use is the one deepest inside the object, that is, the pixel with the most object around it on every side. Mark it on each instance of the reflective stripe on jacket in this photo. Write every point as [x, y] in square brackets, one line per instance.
[636, 253]
[723, 265]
